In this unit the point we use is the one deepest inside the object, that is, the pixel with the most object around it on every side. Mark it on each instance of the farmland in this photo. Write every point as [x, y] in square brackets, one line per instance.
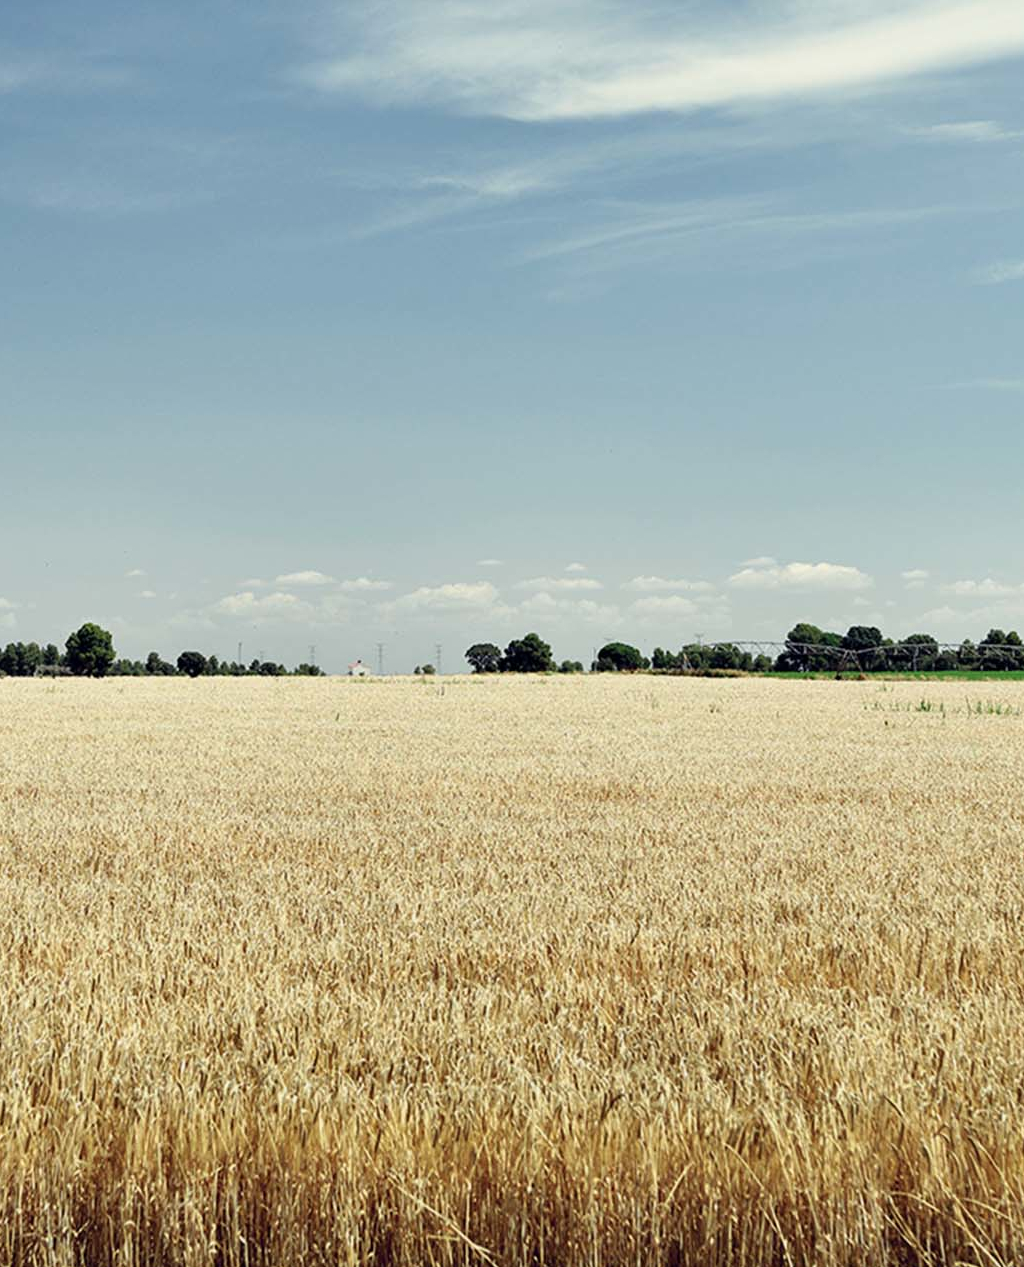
[607, 970]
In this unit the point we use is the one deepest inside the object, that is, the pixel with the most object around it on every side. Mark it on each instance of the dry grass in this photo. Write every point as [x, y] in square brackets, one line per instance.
[618, 971]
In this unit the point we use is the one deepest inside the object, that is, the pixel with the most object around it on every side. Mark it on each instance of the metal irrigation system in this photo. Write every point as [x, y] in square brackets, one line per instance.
[861, 659]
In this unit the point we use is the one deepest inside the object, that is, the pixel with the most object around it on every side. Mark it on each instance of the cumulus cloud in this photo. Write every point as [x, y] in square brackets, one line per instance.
[577, 59]
[457, 596]
[135, 573]
[659, 584]
[668, 605]
[914, 575]
[581, 609]
[277, 605]
[365, 585]
[762, 561]
[560, 583]
[147, 594]
[304, 578]
[796, 576]
[7, 605]
[577, 567]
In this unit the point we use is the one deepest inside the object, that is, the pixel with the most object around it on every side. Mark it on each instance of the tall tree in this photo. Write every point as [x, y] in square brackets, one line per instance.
[484, 657]
[90, 651]
[528, 655]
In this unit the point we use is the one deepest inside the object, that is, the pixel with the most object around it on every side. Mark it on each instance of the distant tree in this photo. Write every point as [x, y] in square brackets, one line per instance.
[484, 657]
[20, 659]
[968, 654]
[661, 659]
[309, 670]
[809, 649]
[428, 670]
[916, 652]
[158, 666]
[212, 666]
[570, 666]
[90, 651]
[762, 664]
[620, 657]
[527, 655]
[269, 668]
[192, 662]
[51, 655]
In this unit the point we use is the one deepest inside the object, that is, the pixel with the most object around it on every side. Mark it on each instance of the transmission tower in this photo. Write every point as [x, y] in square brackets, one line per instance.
[380, 659]
[437, 654]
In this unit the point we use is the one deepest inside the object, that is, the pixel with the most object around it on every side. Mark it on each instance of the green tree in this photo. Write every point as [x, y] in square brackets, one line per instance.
[484, 657]
[192, 662]
[90, 651]
[570, 666]
[51, 655]
[309, 670]
[620, 657]
[527, 655]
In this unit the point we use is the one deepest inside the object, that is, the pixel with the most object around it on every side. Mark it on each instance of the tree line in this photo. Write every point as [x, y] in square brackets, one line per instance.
[808, 649]
[89, 652]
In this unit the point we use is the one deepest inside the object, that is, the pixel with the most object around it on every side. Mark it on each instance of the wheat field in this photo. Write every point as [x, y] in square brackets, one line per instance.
[611, 971]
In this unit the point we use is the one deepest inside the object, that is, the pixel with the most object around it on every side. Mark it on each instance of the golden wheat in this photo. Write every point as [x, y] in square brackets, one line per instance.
[541, 971]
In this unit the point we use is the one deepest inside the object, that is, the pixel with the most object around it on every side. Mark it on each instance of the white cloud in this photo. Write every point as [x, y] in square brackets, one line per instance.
[817, 576]
[977, 131]
[489, 563]
[762, 561]
[304, 578]
[7, 605]
[457, 596]
[147, 594]
[252, 583]
[674, 605]
[584, 610]
[365, 585]
[915, 574]
[560, 583]
[659, 584]
[263, 607]
[987, 588]
[577, 567]
[135, 573]
[1003, 271]
[534, 60]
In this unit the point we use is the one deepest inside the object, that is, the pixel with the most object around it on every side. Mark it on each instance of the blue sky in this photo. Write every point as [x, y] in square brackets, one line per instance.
[419, 321]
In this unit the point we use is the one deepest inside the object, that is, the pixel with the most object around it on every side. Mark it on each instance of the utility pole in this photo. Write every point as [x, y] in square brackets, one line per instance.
[380, 659]
[437, 654]
[239, 660]
[312, 655]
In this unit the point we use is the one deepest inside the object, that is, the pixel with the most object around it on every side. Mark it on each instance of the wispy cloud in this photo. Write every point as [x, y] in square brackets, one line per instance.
[988, 588]
[536, 60]
[548, 583]
[976, 132]
[365, 585]
[997, 274]
[651, 231]
[576, 567]
[305, 578]
[661, 584]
